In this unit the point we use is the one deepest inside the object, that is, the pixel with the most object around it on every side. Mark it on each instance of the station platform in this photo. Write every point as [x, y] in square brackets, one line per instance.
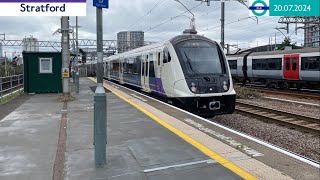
[46, 139]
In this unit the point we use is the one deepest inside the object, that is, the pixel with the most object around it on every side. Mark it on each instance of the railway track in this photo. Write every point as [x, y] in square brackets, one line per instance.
[303, 95]
[305, 123]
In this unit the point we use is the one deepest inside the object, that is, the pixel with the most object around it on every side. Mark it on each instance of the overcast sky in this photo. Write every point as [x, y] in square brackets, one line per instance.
[122, 14]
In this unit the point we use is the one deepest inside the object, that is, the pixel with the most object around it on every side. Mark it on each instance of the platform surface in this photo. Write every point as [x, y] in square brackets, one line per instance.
[138, 147]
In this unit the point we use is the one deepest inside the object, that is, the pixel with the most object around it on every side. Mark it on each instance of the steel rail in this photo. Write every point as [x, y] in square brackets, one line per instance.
[307, 123]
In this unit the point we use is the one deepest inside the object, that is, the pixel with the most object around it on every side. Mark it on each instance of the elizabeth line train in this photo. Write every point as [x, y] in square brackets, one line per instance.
[299, 68]
[190, 71]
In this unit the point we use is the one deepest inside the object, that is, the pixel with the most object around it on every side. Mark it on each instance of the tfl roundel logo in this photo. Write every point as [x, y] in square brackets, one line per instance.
[259, 8]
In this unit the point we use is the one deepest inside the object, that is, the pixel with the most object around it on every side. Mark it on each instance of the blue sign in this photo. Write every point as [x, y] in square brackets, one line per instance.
[101, 3]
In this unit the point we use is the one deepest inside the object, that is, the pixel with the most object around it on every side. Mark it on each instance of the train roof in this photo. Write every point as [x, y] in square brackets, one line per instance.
[173, 40]
[293, 51]
[184, 37]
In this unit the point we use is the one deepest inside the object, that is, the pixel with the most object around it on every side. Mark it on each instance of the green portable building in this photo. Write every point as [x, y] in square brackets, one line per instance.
[42, 72]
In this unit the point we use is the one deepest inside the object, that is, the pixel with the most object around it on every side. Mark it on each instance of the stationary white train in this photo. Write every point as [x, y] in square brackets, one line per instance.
[299, 68]
[188, 70]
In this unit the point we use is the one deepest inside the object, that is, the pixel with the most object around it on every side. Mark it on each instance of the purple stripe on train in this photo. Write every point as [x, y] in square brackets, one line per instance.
[159, 87]
[42, 1]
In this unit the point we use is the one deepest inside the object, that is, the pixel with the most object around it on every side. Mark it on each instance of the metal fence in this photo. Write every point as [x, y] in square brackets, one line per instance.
[10, 83]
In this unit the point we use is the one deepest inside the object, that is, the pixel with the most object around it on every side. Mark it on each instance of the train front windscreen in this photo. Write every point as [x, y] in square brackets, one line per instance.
[200, 57]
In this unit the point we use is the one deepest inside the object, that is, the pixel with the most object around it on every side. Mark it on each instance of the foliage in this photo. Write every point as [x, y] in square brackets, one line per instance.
[11, 96]
[66, 98]
[10, 70]
[246, 93]
[287, 42]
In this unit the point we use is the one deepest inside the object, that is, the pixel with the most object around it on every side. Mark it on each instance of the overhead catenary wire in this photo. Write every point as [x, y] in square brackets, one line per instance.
[172, 18]
[149, 12]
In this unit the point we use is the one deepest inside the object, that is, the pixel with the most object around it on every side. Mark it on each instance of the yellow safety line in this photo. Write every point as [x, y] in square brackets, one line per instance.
[193, 142]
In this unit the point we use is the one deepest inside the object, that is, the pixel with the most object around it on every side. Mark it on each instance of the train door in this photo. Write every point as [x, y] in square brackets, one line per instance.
[291, 67]
[145, 73]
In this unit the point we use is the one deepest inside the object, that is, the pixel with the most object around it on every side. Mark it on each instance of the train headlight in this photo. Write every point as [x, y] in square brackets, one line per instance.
[193, 87]
[225, 85]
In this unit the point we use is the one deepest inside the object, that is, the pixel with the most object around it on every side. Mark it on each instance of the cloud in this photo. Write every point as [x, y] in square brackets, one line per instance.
[122, 14]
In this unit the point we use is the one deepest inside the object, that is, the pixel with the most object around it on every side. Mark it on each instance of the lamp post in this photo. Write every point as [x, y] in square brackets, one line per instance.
[100, 101]
[77, 58]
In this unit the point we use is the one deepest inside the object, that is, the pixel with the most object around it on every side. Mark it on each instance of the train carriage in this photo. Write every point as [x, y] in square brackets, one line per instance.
[188, 70]
[285, 69]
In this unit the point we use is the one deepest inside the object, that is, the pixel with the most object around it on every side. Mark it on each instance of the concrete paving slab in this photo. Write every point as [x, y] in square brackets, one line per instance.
[28, 139]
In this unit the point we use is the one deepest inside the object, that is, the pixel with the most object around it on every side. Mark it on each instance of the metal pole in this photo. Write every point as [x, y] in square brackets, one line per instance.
[275, 41]
[65, 50]
[77, 59]
[222, 25]
[100, 101]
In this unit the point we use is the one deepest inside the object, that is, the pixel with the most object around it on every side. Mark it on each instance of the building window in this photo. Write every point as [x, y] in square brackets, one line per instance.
[45, 65]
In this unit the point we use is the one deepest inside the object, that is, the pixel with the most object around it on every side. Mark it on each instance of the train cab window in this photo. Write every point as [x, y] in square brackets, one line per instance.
[294, 64]
[287, 64]
[166, 55]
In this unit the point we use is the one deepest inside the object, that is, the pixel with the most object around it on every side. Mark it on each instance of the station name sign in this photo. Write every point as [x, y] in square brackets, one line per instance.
[43, 7]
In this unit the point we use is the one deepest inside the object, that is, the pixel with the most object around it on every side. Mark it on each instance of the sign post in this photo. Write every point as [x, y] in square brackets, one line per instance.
[100, 100]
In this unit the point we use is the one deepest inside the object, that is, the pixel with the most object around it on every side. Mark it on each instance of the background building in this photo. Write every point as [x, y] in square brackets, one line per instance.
[30, 44]
[311, 36]
[127, 40]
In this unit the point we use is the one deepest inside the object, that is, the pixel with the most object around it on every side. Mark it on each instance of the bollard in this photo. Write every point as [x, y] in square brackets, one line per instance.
[100, 135]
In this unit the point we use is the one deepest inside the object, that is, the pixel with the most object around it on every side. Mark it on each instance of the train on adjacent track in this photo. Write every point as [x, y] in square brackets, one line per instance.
[299, 68]
[189, 70]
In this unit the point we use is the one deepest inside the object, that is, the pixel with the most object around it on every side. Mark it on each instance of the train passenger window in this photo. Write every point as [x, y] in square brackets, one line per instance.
[139, 64]
[143, 69]
[310, 63]
[233, 64]
[147, 68]
[294, 64]
[151, 73]
[130, 63]
[287, 64]
[158, 59]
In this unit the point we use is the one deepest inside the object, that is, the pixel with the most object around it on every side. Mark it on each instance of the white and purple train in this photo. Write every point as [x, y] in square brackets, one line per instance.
[188, 70]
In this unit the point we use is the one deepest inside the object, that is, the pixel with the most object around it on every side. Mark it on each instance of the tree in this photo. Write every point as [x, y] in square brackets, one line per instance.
[287, 42]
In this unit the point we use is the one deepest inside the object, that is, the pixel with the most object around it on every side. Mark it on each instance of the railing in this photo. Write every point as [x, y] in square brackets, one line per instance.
[9, 84]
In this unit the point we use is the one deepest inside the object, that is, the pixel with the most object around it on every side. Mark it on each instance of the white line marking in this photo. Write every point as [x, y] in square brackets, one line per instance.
[299, 102]
[209, 161]
[271, 146]
[138, 97]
